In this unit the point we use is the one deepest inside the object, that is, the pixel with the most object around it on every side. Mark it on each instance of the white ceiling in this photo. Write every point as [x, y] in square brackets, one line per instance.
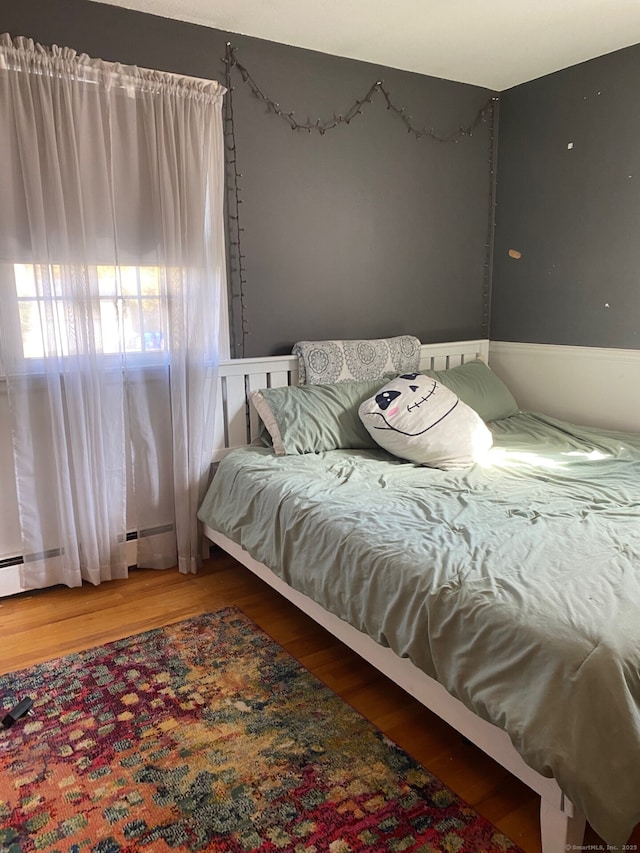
[492, 43]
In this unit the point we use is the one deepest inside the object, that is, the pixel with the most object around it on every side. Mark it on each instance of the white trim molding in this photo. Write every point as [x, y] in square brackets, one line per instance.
[595, 386]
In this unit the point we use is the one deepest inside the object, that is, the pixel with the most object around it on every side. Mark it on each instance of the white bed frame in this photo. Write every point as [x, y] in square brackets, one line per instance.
[561, 825]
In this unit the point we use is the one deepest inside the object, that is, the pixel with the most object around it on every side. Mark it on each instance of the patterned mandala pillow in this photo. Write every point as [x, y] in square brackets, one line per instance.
[326, 362]
[417, 418]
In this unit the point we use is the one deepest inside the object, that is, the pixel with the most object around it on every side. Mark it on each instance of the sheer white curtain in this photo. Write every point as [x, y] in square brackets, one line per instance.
[112, 279]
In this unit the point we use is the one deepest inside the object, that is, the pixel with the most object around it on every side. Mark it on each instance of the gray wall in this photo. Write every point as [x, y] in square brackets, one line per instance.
[572, 212]
[362, 232]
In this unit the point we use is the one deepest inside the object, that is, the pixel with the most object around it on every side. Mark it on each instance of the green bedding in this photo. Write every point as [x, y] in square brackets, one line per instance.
[515, 583]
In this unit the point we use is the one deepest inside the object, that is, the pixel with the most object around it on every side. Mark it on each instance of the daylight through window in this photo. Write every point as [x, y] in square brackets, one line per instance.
[129, 309]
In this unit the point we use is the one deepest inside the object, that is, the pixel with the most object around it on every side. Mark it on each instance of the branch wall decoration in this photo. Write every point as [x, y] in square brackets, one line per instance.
[237, 270]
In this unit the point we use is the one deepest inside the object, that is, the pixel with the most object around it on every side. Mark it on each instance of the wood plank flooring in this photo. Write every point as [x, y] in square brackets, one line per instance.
[38, 626]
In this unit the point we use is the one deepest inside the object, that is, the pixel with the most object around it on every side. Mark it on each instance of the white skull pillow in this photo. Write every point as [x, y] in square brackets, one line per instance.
[416, 418]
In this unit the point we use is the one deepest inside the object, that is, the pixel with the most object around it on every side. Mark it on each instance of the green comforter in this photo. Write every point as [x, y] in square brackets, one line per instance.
[515, 583]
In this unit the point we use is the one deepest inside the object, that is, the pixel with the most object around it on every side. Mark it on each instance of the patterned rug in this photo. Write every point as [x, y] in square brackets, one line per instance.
[207, 736]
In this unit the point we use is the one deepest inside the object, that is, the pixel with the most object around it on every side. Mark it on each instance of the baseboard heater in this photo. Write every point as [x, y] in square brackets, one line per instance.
[132, 536]
[11, 561]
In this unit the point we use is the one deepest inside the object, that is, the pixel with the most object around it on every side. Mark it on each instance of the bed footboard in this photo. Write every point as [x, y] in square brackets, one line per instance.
[561, 826]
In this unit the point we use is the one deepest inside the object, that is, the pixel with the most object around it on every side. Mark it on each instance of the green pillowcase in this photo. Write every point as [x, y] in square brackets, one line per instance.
[479, 387]
[314, 418]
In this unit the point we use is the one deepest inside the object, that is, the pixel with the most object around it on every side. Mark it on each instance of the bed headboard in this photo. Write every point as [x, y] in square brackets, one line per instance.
[236, 422]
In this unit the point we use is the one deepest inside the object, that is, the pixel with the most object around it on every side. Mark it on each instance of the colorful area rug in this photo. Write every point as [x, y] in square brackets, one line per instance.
[207, 736]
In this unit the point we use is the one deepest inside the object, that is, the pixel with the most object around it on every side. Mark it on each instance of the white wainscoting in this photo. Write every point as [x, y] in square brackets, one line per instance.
[588, 385]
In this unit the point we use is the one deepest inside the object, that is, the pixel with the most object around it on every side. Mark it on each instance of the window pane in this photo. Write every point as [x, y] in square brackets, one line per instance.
[25, 280]
[32, 345]
[149, 281]
[109, 326]
[107, 281]
[129, 281]
[132, 325]
[152, 318]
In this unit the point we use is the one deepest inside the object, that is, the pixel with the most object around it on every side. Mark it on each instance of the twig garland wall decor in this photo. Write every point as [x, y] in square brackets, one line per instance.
[236, 257]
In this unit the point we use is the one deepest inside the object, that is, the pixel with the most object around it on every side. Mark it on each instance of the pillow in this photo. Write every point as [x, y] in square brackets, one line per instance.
[479, 387]
[313, 418]
[324, 362]
[417, 418]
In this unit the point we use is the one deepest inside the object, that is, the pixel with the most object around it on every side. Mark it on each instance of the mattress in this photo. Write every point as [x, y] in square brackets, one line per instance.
[514, 583]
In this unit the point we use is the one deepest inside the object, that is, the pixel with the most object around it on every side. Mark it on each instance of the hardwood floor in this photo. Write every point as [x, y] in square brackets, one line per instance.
[38, 626]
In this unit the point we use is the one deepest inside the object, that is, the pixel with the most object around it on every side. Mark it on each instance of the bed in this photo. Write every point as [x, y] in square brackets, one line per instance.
[504, 596]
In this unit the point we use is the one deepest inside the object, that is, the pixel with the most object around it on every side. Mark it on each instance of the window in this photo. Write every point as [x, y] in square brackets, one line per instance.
[129, 309]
